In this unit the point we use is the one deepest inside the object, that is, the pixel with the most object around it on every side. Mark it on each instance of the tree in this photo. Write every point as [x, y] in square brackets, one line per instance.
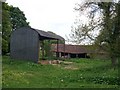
[6, 27]
[86, 31]
[17, 18]
[12, 18]
[111, 32]
[107, 25]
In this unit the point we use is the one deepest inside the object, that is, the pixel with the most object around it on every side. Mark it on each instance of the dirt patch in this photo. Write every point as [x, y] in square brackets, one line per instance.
[63, 64]
[71, 68]
[46, 62]
[67, 63]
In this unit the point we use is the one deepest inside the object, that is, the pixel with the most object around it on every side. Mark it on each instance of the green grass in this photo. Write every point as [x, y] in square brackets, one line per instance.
[88, 73]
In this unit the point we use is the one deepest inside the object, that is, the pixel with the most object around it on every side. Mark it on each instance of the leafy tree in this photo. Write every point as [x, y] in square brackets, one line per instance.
[6, 27]
[47, 47]
[111, 31]
[12, 18]
[17, 18]
[107, 26]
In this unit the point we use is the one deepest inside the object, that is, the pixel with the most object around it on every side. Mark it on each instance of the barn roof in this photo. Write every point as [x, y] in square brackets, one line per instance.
[46, 35]
[74, 49]
[49, 35]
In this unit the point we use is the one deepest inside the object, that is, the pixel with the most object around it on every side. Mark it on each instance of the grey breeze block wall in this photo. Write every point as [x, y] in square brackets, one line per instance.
[24, 44]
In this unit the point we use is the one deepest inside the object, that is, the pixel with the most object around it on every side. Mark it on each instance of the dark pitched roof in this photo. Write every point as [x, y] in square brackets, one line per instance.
[48, 35]
[75, 49]
[45, 35]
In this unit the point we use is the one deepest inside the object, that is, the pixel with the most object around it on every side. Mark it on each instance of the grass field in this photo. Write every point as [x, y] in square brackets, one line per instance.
[77, 73]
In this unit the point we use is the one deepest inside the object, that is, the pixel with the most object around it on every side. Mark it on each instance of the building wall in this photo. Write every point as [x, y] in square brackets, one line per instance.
[24, 44]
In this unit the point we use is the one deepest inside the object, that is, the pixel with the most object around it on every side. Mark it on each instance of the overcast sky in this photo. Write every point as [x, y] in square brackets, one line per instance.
[49, 15]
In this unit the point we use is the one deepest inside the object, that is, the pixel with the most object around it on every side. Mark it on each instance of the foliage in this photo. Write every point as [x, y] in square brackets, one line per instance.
[89, 74]
[47, 47]
[12, 18]
[18, 18]
[6, 27]
[102, 28]
[109, 36]
[85, 31]
[4, 46]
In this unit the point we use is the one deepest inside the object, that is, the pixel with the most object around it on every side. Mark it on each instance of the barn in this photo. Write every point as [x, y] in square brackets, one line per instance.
[25, 43]
[70, 51]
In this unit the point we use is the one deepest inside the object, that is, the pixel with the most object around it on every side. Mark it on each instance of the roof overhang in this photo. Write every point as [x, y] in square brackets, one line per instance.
[48, 35]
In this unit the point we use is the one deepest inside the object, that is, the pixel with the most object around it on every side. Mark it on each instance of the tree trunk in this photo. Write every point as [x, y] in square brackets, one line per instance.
[114, 61]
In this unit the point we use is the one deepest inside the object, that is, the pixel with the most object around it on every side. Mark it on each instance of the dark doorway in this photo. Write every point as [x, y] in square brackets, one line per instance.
[73, 55]
[66, 55]
[83, 55]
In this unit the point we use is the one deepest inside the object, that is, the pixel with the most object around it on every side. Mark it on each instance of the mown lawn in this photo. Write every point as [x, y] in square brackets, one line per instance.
[79, 73]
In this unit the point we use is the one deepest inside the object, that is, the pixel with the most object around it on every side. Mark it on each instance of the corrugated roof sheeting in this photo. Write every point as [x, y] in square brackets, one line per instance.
[75, 49]
[48, 35]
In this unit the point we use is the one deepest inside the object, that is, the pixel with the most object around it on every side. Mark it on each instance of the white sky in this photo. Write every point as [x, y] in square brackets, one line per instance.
[49, 15]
